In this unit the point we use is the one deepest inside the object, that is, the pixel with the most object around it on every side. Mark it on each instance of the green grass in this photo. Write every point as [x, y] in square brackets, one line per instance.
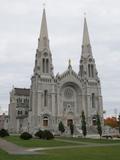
[36, 142]
[98, 153]
[90, 140]
[86, 153]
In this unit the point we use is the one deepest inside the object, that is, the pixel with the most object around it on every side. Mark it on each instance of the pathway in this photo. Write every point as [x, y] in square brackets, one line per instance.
[14, 149]
[74, 146]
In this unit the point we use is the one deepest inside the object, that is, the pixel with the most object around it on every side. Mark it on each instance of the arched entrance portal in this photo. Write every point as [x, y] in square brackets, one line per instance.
[69, 122]
[70, 103]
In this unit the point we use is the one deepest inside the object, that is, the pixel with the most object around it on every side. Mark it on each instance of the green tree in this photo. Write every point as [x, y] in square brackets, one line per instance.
[83, 122]
[119, 123]
[71, 129]
[61, 127]
[99, 127]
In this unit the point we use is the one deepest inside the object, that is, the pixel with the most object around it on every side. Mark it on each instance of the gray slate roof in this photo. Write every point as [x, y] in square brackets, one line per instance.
[22, 92]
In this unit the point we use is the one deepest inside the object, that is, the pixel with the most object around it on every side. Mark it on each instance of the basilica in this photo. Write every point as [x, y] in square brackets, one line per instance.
[52, 98]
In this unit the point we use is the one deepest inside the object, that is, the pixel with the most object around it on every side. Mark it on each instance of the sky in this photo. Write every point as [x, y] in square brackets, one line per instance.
[20, 22]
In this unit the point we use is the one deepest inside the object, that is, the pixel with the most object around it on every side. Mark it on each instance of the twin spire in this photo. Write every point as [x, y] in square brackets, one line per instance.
[86, 46]
[44, 40]
[86, 40]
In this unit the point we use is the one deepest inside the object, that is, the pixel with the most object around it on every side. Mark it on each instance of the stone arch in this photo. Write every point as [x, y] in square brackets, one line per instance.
[73, 85]
[45, 120]
[70, 101]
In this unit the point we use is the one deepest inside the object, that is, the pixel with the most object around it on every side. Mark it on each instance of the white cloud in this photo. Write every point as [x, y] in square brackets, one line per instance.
[19, 30]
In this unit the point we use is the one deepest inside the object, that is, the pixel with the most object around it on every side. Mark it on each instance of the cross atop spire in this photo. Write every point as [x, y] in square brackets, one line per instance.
[85, 14]
[43, 38]
[44, 5]
[69, 64]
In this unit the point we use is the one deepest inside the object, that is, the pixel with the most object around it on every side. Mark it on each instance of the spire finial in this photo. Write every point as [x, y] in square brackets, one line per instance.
[69, 64]
[44, 5]
[85, 14]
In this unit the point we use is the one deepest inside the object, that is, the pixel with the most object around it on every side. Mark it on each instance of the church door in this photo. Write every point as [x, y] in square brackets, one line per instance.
[69, 122]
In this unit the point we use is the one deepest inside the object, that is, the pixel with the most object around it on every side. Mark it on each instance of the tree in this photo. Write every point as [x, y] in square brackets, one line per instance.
[71, 129]
[4, 133]
[83, 122]
[61, 127]
[119, 123]
[99, 127]
[111, 121]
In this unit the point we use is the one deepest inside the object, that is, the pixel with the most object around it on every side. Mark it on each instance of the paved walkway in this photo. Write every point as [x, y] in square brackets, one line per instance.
[74, 146]
[73, 141]
[15, 149]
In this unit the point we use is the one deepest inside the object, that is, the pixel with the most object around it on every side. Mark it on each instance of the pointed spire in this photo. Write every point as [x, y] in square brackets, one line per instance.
[86, 46]
[43, 38]
[86, 40]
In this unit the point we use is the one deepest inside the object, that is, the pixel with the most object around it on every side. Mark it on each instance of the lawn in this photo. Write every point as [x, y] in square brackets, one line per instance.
[86, 153]
[37, 142]
[90, 140]
[98, 153]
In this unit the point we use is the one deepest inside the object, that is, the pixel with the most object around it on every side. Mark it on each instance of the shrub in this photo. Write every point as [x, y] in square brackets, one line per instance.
[39, 134]
[47, 135]
[3, 133]
[25, 136]
[61, 127]
[71, 129]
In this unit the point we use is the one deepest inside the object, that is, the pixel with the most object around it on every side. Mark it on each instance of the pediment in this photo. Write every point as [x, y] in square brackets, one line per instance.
[69, 74]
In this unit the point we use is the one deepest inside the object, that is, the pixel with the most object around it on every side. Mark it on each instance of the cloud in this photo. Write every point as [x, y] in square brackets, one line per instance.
[19, 31]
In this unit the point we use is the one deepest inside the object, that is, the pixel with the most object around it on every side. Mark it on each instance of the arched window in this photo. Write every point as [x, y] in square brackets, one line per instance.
[94, 119]
[45, 98]
[26, 112]
[81, 70]
[19, 112]
[93, 100]
[45, 121]
[43, 65]
[92, 70]
[47, 66]
[89, 70]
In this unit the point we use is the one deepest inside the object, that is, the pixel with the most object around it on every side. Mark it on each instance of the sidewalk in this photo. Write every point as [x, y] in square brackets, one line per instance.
[15, 149]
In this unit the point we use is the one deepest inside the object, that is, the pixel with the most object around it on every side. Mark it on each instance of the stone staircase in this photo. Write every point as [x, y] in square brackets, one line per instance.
[92, 130]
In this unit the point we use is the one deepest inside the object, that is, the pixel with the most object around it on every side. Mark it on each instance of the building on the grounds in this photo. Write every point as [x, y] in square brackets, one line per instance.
[3, 121]
[58, 98]
[18, 109]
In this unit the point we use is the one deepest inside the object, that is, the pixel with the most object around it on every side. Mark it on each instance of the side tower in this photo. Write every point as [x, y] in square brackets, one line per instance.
[42, 95]
[91, 82]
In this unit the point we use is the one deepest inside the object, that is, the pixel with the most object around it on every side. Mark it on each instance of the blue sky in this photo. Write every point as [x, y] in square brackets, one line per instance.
[19, 31]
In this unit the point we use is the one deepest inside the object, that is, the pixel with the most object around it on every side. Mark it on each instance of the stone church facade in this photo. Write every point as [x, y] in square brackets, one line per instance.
[63, 97]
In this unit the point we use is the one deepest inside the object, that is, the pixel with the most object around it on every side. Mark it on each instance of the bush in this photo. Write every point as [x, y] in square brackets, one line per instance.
[47, 135]
[44, 134]
[39, 134]
[3, 133]
[61, 127]
[25, 136]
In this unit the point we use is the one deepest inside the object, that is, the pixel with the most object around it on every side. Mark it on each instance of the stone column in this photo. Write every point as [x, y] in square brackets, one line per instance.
[39, 102]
